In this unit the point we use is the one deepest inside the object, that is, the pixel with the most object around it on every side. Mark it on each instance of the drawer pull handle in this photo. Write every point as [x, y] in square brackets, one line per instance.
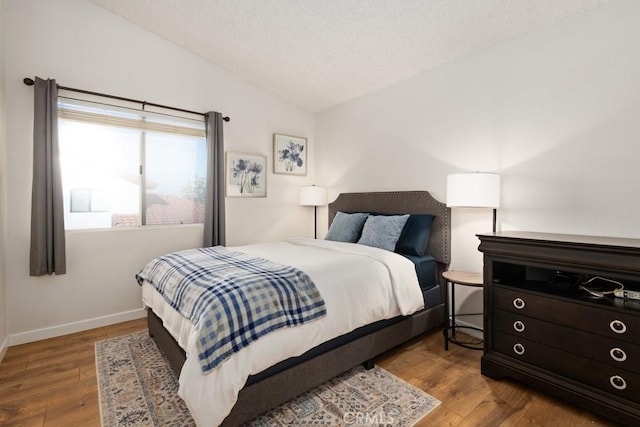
[618, 326]
[618, 354]
[518, 303]
[518, 349]
[519, 326]
[618, 382]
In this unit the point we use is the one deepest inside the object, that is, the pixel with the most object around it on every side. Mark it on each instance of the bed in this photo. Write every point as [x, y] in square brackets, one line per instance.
[288, 378]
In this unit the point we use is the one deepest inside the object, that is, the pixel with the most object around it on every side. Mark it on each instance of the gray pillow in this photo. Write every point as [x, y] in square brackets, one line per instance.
[383, 231]
[346, 227]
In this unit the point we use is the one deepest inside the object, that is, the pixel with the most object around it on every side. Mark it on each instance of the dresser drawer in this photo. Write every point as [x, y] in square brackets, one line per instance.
[616, 381]
[595, 320]
[619, 354]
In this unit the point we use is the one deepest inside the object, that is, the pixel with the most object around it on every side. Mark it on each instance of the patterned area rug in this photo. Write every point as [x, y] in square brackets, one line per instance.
[138, 388]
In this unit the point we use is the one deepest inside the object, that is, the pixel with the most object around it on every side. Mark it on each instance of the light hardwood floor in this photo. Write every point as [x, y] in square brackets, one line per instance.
[53, 383]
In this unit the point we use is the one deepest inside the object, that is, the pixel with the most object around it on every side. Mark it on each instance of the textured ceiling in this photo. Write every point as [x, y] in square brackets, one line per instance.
[319, 53]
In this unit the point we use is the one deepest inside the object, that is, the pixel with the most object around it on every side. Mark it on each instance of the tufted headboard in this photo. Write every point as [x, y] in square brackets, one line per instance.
[403, 202]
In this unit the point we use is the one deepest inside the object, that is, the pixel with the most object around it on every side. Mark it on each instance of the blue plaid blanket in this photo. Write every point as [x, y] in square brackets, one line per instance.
[232, 298]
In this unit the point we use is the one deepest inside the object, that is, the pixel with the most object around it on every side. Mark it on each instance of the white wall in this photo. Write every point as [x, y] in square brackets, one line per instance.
[556, 113]
[82, 45]
[3, 194]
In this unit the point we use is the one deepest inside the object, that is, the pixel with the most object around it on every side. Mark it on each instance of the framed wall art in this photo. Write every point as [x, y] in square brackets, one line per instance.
[289, 154]
[246, 175]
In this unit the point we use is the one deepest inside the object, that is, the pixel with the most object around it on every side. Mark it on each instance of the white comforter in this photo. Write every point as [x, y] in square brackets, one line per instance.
[359, 284]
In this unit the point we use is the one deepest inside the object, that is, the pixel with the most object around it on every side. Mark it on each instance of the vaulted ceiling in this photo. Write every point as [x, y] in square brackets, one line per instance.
[320, 53]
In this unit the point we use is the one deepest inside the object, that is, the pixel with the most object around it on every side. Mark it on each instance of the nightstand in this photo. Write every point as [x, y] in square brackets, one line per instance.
[461, 278]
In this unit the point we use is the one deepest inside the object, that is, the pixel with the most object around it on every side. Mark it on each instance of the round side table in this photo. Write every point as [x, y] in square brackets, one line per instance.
[462, 278]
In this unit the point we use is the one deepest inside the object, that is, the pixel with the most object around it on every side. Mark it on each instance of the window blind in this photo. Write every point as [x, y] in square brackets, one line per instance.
[124, 117]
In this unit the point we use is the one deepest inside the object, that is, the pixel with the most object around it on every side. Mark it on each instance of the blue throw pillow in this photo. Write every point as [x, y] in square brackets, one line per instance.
[414, 237]
[383, 231]
[346, 227]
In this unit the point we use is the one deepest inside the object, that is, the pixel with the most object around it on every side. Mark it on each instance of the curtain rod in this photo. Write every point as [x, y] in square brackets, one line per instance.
[29, 82]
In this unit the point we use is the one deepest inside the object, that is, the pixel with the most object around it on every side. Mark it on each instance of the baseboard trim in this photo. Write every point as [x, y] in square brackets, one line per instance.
[73, 327]
[472, 332]
[3, 348]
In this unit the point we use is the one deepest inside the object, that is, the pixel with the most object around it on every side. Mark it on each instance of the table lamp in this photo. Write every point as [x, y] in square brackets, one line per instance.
[312, 195]
[474, 190]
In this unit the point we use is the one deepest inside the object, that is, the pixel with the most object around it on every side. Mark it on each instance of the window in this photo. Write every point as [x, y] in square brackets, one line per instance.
[89, 200]
[124, 167]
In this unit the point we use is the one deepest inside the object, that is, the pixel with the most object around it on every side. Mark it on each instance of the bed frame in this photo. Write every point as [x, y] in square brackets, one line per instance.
[294, 376]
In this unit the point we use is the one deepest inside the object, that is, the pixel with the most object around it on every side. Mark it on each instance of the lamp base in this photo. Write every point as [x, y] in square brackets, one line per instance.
[315, 222]
[495, 217]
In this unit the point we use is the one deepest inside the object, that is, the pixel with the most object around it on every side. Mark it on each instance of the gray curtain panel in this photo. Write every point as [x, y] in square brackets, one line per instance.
[214, 228]
[47, 210]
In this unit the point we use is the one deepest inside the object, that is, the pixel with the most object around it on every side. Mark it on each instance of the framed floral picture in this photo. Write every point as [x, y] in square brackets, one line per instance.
[289, 154]
[246, 175]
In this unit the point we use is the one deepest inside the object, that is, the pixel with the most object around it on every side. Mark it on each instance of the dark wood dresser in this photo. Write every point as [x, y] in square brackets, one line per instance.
[542, 329]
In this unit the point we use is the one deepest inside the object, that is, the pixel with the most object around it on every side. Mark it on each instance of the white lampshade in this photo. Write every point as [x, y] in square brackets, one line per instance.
[473, 190]
[312, 195]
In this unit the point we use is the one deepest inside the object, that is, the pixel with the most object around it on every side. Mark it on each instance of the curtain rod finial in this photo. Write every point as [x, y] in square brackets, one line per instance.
[226, 119]
[28, 81]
